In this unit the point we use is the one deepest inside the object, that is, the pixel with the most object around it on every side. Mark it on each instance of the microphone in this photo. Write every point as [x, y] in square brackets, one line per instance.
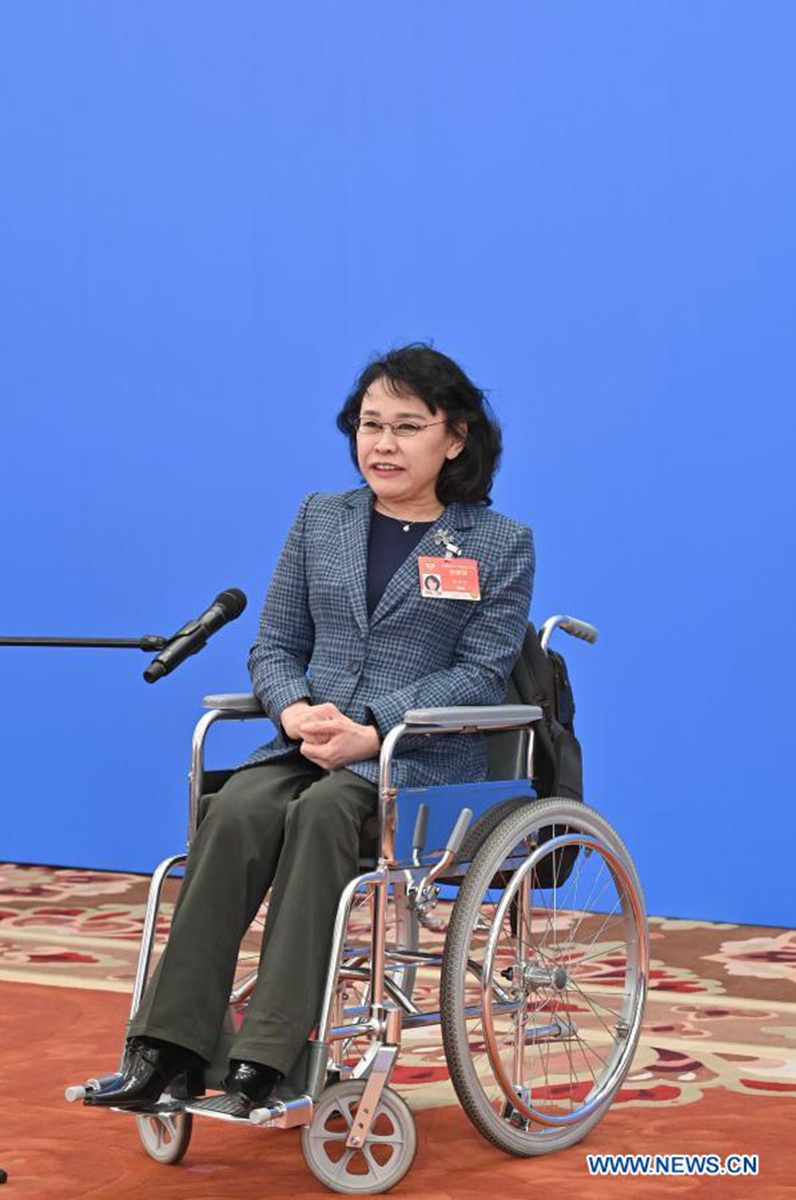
[192, 637]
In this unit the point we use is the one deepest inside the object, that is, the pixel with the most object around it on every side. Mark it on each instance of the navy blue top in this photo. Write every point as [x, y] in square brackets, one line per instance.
[388, 546]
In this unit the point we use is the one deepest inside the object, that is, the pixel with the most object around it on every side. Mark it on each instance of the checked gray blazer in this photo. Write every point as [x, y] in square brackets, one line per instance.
[316, 642]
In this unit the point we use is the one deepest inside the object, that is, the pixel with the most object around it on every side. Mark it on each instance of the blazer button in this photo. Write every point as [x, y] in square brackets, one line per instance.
[355, 667]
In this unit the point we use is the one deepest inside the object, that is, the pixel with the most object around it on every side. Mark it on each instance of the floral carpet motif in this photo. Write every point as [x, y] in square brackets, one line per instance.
[721, 1010]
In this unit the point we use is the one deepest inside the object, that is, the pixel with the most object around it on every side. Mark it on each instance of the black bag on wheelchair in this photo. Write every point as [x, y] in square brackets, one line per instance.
[542, 679]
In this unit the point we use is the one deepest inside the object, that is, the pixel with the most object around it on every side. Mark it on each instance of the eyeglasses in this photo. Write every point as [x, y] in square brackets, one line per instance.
[368, 427]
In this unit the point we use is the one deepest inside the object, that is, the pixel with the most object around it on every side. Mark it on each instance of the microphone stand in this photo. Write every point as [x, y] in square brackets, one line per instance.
[149, 642]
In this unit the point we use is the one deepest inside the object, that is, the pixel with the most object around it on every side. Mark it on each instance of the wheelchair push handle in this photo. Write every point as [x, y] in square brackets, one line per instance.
[571, 625]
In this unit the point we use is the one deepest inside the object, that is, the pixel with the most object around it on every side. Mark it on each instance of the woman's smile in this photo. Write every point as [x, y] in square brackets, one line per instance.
[384, 468]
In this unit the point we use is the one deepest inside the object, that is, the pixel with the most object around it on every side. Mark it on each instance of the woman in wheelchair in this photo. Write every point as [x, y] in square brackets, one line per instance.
[349, 640]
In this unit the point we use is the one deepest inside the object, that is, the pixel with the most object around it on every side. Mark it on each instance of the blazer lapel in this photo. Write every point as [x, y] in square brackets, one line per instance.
[453, 520]
[354, 528]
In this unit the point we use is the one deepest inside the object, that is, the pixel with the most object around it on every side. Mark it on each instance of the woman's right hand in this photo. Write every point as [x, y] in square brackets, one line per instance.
[291, 718]
[295, 716]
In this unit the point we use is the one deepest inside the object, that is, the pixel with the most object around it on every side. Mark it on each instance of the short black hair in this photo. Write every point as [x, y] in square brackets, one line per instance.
[419, 370]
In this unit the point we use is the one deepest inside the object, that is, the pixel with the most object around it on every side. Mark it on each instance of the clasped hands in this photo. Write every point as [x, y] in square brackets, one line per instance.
[328, 737]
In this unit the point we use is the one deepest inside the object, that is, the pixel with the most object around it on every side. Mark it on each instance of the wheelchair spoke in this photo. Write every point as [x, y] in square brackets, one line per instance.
[545, 1052]
[576, 880]
[533, 1050]
[621, 920]
[568, 1050]
[593, 901]
[588, 1049]
[606, 1007]
[547, 907]
[605, 952]
[611, 1032]
[600, 931]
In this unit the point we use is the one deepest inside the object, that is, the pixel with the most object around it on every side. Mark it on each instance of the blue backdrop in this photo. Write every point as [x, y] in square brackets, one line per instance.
[212, 214]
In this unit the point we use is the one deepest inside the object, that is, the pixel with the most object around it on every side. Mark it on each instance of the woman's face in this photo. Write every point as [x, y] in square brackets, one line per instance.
[403, 468]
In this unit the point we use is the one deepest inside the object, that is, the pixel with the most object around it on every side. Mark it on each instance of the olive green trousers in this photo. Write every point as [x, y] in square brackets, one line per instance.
[287, 825]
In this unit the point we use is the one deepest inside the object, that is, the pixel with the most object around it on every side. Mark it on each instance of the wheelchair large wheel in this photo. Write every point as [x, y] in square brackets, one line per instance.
[544, 977]
[386, 1155]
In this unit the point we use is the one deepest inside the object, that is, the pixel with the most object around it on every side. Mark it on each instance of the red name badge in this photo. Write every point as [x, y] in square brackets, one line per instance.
[449, 578]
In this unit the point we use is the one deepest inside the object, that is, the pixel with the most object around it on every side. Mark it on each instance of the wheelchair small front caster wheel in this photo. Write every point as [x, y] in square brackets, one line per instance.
[382, 1161]
[165, 1136]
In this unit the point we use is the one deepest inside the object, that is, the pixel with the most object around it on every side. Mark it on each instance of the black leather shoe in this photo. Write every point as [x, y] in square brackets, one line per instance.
[251, 1083]
[150, 1066]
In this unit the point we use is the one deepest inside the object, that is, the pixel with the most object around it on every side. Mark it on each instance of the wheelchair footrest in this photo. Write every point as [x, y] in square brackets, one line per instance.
[279, 1114]
[223, 1107]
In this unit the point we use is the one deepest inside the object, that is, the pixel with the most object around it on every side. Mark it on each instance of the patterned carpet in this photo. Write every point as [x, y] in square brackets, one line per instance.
[718, 1045]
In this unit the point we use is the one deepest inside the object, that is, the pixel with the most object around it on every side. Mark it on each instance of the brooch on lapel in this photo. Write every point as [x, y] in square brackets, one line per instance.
[443, 538]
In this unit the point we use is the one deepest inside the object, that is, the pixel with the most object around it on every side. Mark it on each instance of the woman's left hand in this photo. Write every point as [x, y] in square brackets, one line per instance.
[333, 739]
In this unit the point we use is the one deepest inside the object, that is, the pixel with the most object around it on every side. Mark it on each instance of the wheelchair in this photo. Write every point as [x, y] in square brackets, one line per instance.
[531, 919]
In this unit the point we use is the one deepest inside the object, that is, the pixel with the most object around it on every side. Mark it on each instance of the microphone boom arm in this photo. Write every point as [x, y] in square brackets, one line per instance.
[148, 643]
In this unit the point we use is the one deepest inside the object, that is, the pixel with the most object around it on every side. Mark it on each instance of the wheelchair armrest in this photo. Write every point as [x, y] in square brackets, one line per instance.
[239, 702]
[496, 716]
